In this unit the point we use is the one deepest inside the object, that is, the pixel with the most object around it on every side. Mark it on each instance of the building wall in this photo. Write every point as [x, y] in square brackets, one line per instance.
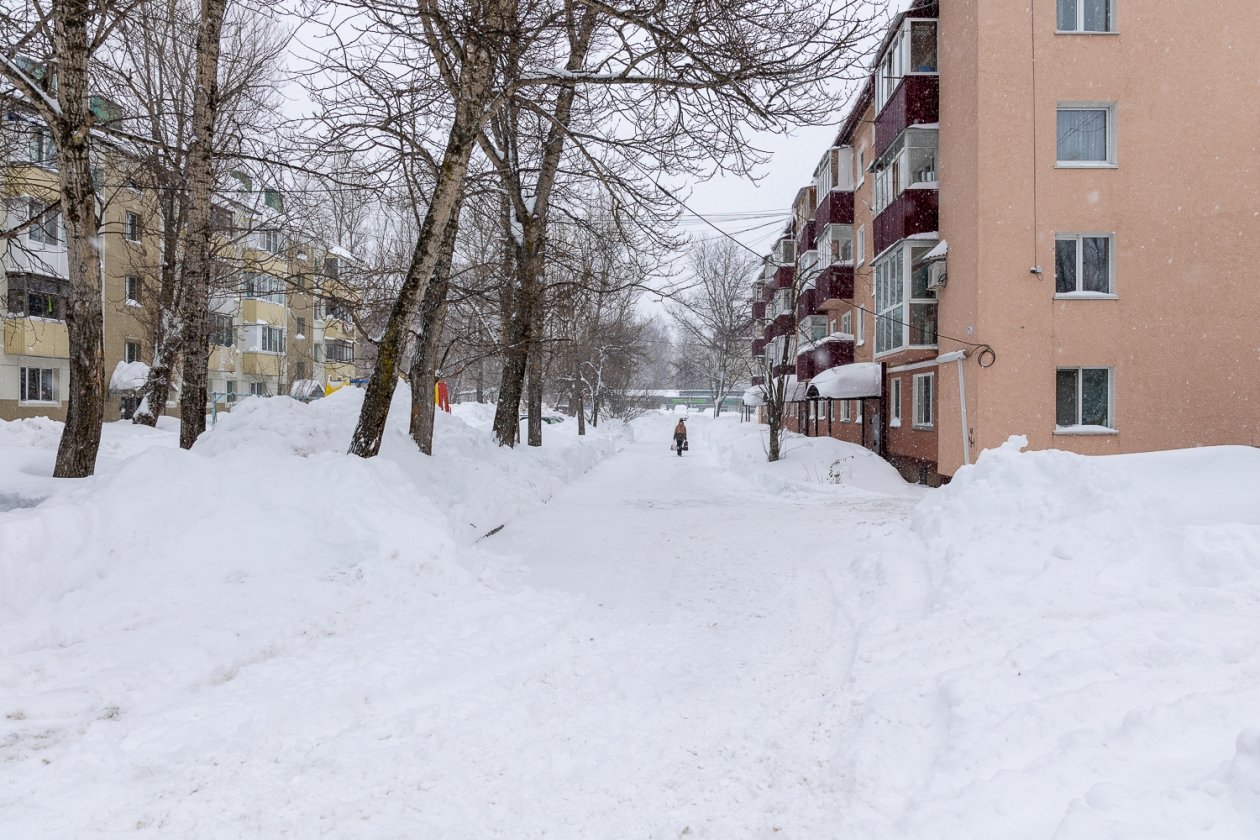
[1177, 204]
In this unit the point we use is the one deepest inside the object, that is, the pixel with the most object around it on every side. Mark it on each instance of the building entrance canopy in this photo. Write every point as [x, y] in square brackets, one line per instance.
[857, 381]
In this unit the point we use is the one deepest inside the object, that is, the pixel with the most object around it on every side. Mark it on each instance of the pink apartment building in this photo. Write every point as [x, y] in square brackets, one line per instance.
[1035, 220]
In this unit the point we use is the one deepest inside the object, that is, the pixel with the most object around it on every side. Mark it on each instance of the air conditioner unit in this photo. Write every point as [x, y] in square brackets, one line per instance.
[936, 275]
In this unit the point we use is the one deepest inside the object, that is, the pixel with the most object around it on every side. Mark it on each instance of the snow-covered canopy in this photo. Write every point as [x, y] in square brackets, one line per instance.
[129, 376]
[848, 382]
[305, 389]
[754, 396]
[937, 253]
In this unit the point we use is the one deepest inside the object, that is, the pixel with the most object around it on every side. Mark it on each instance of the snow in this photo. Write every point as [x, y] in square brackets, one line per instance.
[939, 252]
[129, 376]
[266, 637]
[852, 381]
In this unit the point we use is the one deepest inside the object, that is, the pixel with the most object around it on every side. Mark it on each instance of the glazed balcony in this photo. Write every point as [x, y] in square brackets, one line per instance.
[914, 211]
[835, 208]
[835, 283]
[916, 101]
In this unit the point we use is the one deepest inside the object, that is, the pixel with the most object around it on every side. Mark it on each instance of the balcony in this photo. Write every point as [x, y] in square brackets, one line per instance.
[805, 242]
[759, 310]
[916, 101]
[835, 208]
[783, 369]
[759, 346]
[36, 337]
[786, 276]
[782, 324]
[831, 351]
[914, 211]
[835, 283]
[807, 303]
[758, 380]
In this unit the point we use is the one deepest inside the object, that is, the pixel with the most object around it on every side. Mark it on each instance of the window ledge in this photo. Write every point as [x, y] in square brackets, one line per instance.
[918, 427]
[1074, 164]
[1083, 32]
[1086, 296]
[39, 402]
[894, 424]
[1084, 431]
[131, 302]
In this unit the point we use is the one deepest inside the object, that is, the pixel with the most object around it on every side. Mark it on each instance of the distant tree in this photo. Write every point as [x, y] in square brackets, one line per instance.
[712, 318]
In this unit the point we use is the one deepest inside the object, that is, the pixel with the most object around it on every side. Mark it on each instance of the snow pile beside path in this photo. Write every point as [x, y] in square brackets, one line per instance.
[478, 483]
[806, 462]
[1079, 657]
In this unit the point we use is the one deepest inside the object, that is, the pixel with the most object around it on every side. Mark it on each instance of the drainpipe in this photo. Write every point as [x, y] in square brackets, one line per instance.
[958, 357]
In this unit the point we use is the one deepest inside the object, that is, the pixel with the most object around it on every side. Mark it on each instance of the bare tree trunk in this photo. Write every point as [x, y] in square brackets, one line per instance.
[81, 439]
[166, 335]
[479, 382]
[423, 375]
[535, 369]
[577, 392]
[195, 277]
[478, 73]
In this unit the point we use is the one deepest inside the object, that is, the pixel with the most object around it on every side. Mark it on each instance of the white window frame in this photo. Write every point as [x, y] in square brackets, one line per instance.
[1080, 293]
[861, 167]
[846, 414]
[1080, 20]
[893, 318]
[258, 389]
[1109, 428]
[48, 232]
[54, 386]
[923, 413]
[846, 322]
[271, 339]
[131, 288]
[894, 403]
[131, 226]
[859, 248]
[1088, 105]
[128, 355]
[860, 315]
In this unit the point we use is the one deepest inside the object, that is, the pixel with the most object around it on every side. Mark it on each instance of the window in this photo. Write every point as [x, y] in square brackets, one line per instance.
[271, 241]
[319, 352]
[131, 287]
[35, 296]
[1086, 16]
[857, 411]
[339, 351]
[912, 50]
[40, 149]
[861, 325]
[895, 408]
[38, 384]
[47, 229]
[1082, 398]
[258, 389]
[905, 308]
[890, 293]
[845, 412]
[274, 199]
[222, 331]
[332, 268]
[231, 390]
[837, 245]
[861, 169]
[221, 220]
[922, 300]
[861, 244]
[910, 162]
[339, 310]
[846, 322]
[1084, 264]
[1086, 135]
[264, 287]
[271, 340]
[301, 327]
[131, 227]
[923, 384]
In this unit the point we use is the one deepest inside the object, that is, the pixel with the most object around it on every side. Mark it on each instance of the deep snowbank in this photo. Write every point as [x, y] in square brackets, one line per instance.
[806, 463]
[1075, 654]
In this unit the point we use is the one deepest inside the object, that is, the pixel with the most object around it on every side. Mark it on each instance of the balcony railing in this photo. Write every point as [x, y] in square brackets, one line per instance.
[916, 101]
[759, 311]
[785, 277]
[805, 241]
[914, 211]
[835, 283]
[836, 207]
[807, 303]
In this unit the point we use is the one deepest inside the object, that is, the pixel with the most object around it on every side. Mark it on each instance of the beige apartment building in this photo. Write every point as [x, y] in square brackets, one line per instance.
[280, 315]
[1048, 206]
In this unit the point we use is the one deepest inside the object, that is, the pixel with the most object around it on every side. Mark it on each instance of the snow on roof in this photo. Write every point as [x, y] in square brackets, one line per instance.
[831, 339]
[338, 251]
[939, 252]
[129, 376]
[848, 382]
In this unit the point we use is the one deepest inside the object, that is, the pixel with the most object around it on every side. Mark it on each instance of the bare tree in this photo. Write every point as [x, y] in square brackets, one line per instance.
[46, 55]
[712, 318]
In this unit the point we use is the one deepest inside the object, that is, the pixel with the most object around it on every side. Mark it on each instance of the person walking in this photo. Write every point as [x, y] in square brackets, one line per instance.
[680, 436]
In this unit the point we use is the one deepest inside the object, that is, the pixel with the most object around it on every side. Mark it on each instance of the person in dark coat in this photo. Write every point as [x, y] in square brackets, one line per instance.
[680, 436]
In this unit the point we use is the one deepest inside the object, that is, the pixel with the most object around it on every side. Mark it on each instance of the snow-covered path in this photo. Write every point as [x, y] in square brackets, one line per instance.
[705, 677]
